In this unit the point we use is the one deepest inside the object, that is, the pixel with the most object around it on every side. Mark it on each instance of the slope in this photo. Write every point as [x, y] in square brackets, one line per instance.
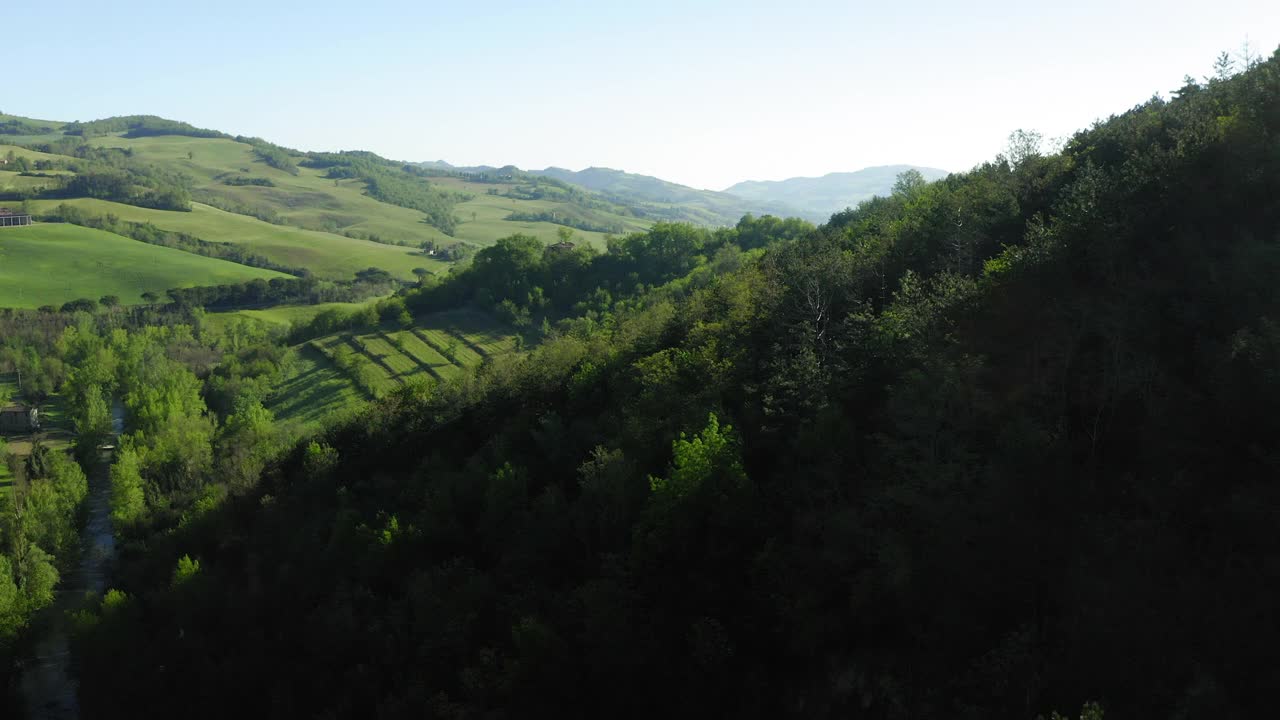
[890, 470]
[326, 254]
[53, 263]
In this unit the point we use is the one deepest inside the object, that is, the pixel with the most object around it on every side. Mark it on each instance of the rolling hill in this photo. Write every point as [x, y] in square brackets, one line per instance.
[817, 198]
[54, 263]
[667, 200]
[331, 214]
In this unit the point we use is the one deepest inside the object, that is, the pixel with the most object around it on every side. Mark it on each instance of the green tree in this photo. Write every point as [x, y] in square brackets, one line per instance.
[249, 438]
[128, 501]
[92, 420]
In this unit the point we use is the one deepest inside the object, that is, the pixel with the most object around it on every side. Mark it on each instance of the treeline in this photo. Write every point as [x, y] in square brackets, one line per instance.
[113, 174]
[519, 277]
[277, 291]
[273, 155]
[19, 126]
[136, 126]
[242, 180]
[989, 447]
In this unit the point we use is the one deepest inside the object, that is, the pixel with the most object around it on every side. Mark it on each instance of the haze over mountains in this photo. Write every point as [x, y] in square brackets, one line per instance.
[812, 198]
[817, 198]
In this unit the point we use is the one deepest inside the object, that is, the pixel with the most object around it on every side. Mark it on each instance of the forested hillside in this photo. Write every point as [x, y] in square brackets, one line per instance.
[995, 446]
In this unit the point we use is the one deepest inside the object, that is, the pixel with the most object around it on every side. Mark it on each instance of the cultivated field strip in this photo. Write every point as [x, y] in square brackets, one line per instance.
[477, 331]
[434, 362]
[374, 374]
[376, 356]
[443, 341]
[379, 361]
[381, 351]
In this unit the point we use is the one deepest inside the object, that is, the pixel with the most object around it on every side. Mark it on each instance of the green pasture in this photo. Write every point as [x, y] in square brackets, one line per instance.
[52, 263]
[311, 201]
[306, 200]
[325, 254]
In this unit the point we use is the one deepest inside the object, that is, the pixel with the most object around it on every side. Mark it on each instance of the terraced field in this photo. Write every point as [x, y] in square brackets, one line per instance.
[342, 371]
[437, 364]
[313, 392]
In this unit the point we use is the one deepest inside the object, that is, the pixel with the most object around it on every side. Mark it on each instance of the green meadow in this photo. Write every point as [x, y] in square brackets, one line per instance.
[311, 201]
[52, 263]
[327, 255]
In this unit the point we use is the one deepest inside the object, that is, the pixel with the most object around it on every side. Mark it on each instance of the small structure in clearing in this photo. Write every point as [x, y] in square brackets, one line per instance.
[19, 419]
[9, 218]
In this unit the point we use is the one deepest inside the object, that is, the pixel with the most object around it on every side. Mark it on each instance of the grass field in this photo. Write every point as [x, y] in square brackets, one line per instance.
[52, 263]
[325, 254]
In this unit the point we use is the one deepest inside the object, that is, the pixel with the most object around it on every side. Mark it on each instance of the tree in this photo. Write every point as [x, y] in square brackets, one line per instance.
[1223, 68]
[1022, 146]
[92, 421]
[127, 499]
[909, 183]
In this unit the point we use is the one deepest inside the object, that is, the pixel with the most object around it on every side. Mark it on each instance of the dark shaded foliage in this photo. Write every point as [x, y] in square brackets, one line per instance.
[988, 447]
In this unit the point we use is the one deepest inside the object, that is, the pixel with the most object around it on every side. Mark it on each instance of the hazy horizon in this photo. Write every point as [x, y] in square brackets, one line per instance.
[706, 94]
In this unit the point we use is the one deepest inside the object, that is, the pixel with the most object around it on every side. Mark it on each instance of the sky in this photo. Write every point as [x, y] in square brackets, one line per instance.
[704, 93]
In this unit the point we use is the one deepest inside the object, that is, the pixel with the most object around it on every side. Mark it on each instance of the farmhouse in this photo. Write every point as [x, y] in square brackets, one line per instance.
[9, 218]
[19, 419]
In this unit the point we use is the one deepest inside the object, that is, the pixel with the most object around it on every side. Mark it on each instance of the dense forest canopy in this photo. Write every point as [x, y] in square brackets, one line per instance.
[999, 445]
[993, 446]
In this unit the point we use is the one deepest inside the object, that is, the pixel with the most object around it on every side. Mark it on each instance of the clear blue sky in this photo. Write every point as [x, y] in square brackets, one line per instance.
[704, 93]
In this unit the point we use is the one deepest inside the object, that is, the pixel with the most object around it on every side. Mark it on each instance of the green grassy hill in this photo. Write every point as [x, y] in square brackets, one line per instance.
[331, 214]
[295, 213]
[52, 263]
[325, 254]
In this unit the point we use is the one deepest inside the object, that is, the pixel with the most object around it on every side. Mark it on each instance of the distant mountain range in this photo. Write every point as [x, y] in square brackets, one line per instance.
[817, 198]
[814, 199]
[706, 206]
